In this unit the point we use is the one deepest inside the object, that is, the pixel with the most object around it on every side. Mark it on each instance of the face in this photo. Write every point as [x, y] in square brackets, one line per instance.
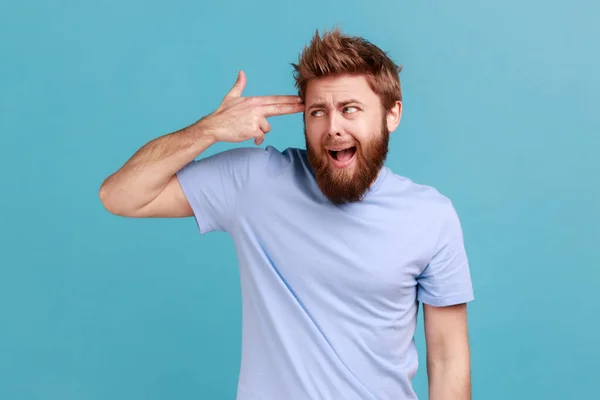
[347, 134]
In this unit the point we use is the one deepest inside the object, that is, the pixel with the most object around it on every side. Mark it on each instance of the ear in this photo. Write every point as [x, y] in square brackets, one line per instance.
[393, 116]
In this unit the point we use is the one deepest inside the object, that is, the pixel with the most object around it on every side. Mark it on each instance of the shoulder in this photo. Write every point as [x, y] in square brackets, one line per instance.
[266, 155]
[418, 196]
[249, 166]
[426, 207]
[244, 159]
[278, 162]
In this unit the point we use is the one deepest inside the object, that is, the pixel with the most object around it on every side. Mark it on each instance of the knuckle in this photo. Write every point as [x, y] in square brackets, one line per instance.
[246, 102]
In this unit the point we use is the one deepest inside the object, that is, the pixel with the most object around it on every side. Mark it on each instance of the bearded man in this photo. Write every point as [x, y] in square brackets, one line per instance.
[336, 251]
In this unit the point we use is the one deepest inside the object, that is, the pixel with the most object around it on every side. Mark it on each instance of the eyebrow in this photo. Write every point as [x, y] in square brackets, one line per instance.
[322, 104]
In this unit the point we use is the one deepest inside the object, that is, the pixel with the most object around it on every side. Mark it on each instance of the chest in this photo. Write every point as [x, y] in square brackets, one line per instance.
[373, 250]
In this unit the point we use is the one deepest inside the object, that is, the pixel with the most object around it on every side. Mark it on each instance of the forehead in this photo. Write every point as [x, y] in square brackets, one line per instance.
[339, 88]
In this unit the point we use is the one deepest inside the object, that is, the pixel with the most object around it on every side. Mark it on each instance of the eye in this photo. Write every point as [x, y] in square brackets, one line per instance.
[316, 113]
[350, 109]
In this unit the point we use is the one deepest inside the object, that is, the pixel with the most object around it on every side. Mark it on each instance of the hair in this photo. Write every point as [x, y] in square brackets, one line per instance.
[336, 53]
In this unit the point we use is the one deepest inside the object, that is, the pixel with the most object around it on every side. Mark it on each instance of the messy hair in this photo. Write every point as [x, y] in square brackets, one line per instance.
[336, 53]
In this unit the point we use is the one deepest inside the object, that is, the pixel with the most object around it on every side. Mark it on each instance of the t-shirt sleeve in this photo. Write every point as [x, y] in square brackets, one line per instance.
[214, 184]
[446, 279]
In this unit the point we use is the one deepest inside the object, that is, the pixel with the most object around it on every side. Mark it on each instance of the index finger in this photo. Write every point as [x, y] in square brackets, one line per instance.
[271, 110]
[279, 99]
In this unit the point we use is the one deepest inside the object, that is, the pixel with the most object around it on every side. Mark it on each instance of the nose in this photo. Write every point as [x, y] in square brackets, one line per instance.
[334, 125]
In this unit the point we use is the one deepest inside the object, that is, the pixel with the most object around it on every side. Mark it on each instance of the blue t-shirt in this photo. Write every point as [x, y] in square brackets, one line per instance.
[329, 293]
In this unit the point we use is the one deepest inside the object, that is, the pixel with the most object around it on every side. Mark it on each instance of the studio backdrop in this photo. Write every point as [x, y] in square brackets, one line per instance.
[500, 114]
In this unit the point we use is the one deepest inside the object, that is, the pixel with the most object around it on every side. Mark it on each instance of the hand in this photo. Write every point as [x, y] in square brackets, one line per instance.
[241, 118]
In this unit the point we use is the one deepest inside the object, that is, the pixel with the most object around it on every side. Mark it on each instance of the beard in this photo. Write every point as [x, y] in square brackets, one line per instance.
[349, 185]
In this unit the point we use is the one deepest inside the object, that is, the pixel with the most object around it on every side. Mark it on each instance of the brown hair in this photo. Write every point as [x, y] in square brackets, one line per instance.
[337, 53]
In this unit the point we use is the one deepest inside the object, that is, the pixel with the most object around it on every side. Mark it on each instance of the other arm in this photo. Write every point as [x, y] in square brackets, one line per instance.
[445, 288]
[448, 354]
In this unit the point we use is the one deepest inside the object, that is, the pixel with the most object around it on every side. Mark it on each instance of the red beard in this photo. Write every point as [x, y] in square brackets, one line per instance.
[341, 186]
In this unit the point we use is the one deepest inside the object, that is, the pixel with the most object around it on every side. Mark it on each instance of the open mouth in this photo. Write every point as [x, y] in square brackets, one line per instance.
[342, 156]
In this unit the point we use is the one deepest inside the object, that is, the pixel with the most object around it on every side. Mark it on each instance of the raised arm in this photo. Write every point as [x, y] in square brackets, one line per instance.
[147, 186]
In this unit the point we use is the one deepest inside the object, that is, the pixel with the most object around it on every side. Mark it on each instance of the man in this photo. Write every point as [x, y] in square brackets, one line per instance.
[335, 250]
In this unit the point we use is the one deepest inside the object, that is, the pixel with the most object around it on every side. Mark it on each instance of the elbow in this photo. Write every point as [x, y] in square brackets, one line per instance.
[459, 364]
[118, 201]
[105, 198]
[109, 200]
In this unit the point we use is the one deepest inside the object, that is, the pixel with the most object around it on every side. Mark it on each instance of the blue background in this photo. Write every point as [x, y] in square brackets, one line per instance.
[500, 114]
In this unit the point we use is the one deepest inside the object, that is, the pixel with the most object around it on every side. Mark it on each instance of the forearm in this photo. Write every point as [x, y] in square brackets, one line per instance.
[449, 379]
[149, 170]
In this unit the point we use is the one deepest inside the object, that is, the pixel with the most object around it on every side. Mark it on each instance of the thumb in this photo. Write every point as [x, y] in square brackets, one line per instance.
[238, 87]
